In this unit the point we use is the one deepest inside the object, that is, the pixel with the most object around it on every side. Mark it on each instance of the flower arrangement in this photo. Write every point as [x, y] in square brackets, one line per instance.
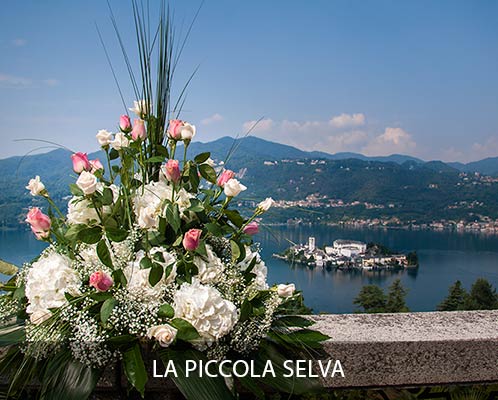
[150, 257]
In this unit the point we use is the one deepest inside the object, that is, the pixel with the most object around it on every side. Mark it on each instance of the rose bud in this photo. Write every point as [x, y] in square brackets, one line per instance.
[40, 223]
[187, 131]
[36, 187]
[251, 228]
[125, 124]
[96, 165]
[265, 205]
[225, 176]
[140, 108]
[233, 187]
[191, 239]
[172, 171]
[104, 138]
[138, 131]
[80, 162]
[87, 182]
[174, 129]
[101, 281]
[286, 290]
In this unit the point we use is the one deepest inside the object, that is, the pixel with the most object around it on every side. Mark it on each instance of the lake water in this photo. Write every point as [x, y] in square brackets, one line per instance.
[444, 257]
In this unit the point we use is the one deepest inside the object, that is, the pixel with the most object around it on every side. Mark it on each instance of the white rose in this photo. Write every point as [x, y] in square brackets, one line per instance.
[120, 141]
[187, 131]
[164, 334]
[265, 204]
[104, 137]
[203, 306]
[233, 187]
[140, 108]
[81, 211]
[148, 218]
[286, 290]
[87, 182]
[35, 186]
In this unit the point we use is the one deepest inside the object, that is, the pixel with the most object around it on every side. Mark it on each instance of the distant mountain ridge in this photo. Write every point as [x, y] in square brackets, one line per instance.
[422, 188]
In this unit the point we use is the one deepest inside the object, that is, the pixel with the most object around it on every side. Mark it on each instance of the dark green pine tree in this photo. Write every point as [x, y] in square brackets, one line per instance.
[482, 296]
[371, 299]
[457, 296]
[396, 298]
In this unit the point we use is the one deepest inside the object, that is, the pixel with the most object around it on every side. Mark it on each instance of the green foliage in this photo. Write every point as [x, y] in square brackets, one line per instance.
[482, 296]
[456, 299]
[134, 368]
[396, 298]
[371, 299]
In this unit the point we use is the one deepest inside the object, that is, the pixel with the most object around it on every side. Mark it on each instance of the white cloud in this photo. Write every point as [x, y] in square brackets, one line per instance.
[393, 140]
[487, 149]
[263, 125]
[347, 120]
[19, 42]
[212, 119]
[51, 82]
[12, 81]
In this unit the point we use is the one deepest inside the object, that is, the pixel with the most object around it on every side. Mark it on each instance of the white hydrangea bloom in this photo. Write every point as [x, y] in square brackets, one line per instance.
[210, 267]
[47, 281]
[149, 202]
[260, 269]
[206, 310]
[138, 279]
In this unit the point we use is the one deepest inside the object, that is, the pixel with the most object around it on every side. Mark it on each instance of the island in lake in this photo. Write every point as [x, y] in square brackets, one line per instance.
[348, 254]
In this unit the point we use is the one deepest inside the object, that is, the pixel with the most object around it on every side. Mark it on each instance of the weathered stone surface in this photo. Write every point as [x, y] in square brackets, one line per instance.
[413, 348]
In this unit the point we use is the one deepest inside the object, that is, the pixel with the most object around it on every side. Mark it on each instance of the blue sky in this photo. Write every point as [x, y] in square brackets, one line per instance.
[376, 77]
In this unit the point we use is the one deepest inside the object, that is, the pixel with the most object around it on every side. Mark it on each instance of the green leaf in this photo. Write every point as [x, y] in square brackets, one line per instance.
[292, 320]
[8, 268]
[235, 250]
[73, 232]
[146, 263]
[165, 311]
[234, 217]
[135, 369]
[100, 296]
[161, 150]
[90, 235]
[116, 234]
[155, 159]
[186, 331]
[75, 190]
[67, 379]
[113, 154]
[208, 173]
[203, 157]
[214, 228]
[106, 309]
[195, 206]
[107, 197]
[245, 310]
[155, 274]
[195, 387]
[104, 255]
[173, 216]
[19, 293]
[120, 277]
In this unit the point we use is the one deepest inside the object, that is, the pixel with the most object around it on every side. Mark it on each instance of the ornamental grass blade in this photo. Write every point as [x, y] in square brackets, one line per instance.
[8, 268]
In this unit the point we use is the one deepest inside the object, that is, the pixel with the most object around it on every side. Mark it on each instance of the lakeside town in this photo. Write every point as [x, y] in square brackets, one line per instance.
[348, 254]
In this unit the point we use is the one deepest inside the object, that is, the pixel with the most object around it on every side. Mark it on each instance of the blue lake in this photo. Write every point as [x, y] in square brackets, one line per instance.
[444, 257]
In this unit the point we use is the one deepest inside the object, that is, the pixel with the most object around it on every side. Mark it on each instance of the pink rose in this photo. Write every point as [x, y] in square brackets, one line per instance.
[125, 124]
[251, 228]
[138, 131]
[191, 239]
[225, 176]
[96, 165]
[80, 162]
[101, 281]
[172, 171]
[40, 223]
[175, 129]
